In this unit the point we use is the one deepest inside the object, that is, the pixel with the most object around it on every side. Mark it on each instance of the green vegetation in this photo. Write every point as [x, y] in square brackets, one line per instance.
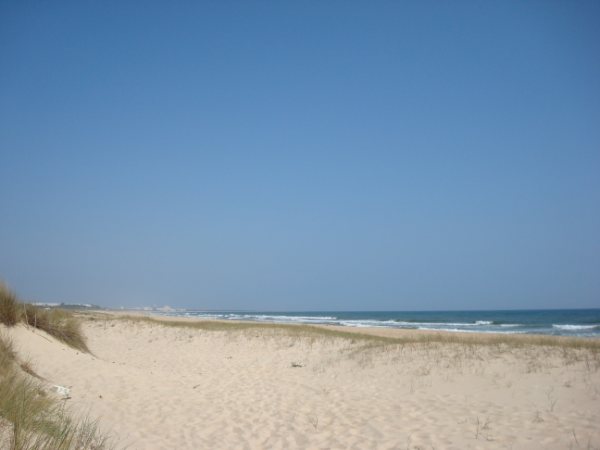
[56, 322]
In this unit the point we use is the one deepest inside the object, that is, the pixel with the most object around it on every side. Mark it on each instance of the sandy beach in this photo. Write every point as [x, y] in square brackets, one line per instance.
[152, 385]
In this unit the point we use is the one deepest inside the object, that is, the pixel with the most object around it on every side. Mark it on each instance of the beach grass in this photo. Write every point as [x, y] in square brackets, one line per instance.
[9, 306]
[31, 419]
[56, 322]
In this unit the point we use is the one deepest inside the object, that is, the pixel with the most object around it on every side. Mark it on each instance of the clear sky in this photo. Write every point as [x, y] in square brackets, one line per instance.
[301, 155]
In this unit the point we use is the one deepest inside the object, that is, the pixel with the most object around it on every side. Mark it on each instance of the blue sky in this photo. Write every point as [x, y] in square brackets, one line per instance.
[301, 155]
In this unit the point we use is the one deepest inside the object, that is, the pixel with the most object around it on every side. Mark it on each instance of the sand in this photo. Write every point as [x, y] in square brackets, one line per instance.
[157, 387]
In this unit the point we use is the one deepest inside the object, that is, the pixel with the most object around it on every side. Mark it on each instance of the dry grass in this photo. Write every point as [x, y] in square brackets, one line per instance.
[7, 355]
[37, 421]
[30, 419]
[9, 310]
[56, 322]
[27, 367]
[411, 337]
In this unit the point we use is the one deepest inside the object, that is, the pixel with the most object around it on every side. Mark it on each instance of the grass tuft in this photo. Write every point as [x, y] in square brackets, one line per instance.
[56, 322]
[29, 419]
[7, 355]
[28, 368]
[9, 309]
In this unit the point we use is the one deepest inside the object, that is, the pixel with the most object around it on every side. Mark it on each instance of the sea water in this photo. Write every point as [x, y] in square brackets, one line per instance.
[561, 322]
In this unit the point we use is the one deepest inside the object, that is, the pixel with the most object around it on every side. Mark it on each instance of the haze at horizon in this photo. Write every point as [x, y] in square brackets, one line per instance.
[326, 156]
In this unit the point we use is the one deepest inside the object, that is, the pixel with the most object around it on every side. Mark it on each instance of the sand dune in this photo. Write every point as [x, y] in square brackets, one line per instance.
[159, 387]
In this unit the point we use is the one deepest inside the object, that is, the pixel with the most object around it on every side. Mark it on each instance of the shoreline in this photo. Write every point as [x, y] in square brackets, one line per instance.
[474, 337]
[583, 323]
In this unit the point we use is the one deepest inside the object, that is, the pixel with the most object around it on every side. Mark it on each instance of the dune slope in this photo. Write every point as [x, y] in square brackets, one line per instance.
[158, 387]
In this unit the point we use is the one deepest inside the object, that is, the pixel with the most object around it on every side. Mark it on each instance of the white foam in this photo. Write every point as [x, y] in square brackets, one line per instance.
[441, 324]
[369, 323]
[281, 318]
[575, 327]
[463, 330]
[481, 326]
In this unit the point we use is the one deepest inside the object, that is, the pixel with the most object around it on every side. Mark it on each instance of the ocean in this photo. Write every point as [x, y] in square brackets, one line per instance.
[558, 322]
